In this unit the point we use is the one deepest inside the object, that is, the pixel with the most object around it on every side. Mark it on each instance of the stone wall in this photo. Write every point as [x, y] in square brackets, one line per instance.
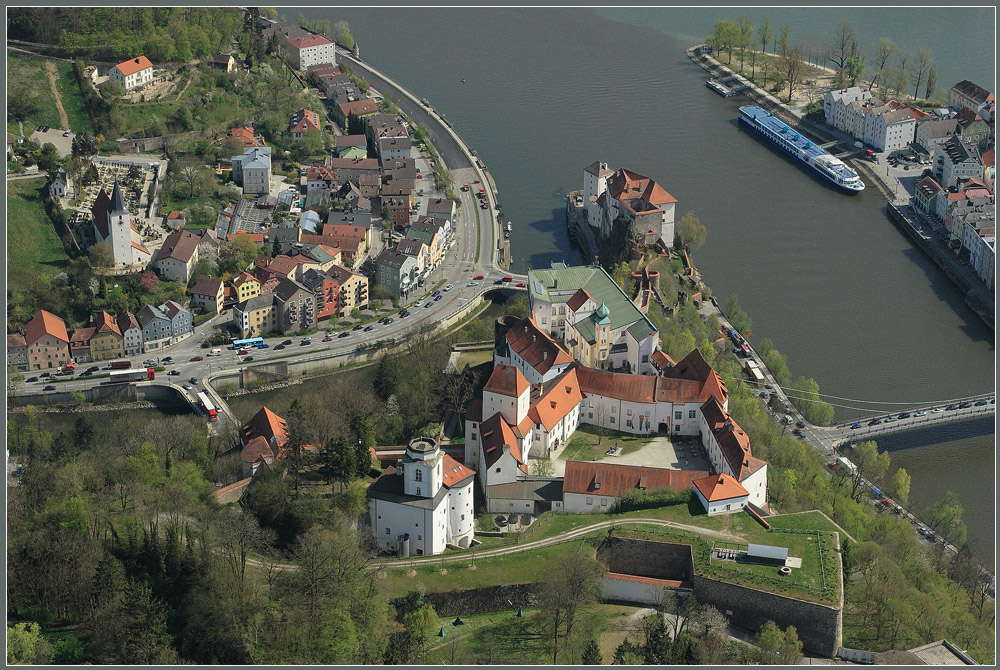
[508, 597]
[818, 626]
[645, 558]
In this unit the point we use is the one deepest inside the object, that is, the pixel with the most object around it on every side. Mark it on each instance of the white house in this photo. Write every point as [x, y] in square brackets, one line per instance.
[954, 161]
[836, 103]
[312, 50]
[623, 193]
[62, 185]
[890, 129]
[720, 494]
[967, 94]
[252, 170]
[132, 74]
[424, 505]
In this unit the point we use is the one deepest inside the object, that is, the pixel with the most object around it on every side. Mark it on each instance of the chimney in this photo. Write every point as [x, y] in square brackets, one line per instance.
[533, 338]
[545, 355]
[555, 283]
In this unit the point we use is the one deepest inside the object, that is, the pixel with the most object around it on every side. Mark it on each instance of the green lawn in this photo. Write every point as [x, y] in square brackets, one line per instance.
[33, 246]
[474, 358]
[587, 443]
[72, 100]
[25, 71]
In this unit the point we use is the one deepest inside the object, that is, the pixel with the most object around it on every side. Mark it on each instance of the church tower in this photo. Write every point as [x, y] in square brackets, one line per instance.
[120, 227]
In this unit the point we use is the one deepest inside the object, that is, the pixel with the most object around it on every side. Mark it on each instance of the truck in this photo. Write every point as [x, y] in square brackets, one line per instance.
[847, 465]
[119, 365]
[753, 370]
[131, 376]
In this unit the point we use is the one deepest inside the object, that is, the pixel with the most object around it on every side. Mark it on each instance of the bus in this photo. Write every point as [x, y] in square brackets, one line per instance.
[208, 407]
[236, 345]
[131, 376]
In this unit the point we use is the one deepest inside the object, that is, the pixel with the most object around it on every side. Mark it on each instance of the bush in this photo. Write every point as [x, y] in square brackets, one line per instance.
[649, 499]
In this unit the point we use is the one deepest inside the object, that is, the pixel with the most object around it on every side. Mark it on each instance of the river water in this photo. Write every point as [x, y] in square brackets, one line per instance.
[837, 288]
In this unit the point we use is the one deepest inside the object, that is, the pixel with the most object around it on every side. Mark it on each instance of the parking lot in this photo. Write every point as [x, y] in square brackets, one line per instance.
[55, 136]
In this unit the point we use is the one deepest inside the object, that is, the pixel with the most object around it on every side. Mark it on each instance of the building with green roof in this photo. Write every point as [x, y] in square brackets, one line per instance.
[587, 312]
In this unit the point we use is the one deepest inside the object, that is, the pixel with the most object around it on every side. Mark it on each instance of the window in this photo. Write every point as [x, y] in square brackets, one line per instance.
[590, 415]
[591, 404]
[590, 501]
[604, 502]
[498, 469]
[418, 490]
[691, 413]
[419, 538]
[612, 419]
[463, 517]
[678, 415]
[418, 475]
[473, 436]
[628, 412]
[387, 531]
[614, 410]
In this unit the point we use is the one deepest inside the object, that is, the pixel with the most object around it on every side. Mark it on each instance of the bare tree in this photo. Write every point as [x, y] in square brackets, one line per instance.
[920, 68]
[194, 177]
[239, 535]
[845, 45]
[782, 41]
[745, 30]
[792, 69]
[881, 53]
[578, 582]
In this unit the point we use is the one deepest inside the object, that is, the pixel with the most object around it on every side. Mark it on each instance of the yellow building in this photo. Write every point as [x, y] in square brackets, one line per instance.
[246, 286]
[589, 339]
[107, 342]
[256, 316]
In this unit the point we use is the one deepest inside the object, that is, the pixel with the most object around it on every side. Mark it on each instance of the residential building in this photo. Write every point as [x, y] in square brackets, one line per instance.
[396, 271]
[932, 132]
[983, 256]
[441, 208]
[399, 169]
[175, 260]
[393, 148]
[256, 317]
[326, 289]
[79, 344]
[430, 232]
[597, 487]
[397, 197]
[176, 220]
[720, 493]
[925, 195]
[17, 351]
[974, 129]
[890, 128]
[132, 74]
[312, 256]
[263, 440]
[424, 505]
[131, 332]
[349, 169]
[302, 122]
[955, 161]
[248, 136]
[362, 109]
[246, 286]
[352, 146]
[310, 50]
[252, 170]
[294, 306]
[855, 114]
[836, 104]
[181, 321]
[585, 310]
[321, 178]
[370, 185]
[106, 343]
[353, 288]
[207, 293]
[47, 341]
[967, 94]
[224, 62]
[418, 250]
[113, 225]
[155, 325]
[728, 449]
[62, 185]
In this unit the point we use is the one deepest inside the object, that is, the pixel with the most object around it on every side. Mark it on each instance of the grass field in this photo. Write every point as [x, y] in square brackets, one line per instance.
[33, 246]
[25, 71]
[474, 358]
[72, 100]
[588, 445]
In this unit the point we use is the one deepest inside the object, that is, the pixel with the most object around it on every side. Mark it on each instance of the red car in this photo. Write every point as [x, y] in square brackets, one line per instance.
[328, 338]
[521, 284]
[479, 277]
[243, 352]
[197, 358]
[507, 279]
[420, 176]
[831, 465]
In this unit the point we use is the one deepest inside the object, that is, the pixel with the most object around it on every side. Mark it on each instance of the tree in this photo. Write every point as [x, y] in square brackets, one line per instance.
[805, 396]
[921, 68]
[26, 645]
[621, 274]
[792, 69]
[901, 83]
[299, 435]
[628, 653]
[578, 582]
[856, 68]
[342, 34]
[542, 467]
[112, 91]
[22, 102]
[387, 377]
[338, 461]
[777, 647]
[149, 282]
[783, 40]
[592, 654]
[945, 516]
[231, 146]
[869, 464]
[244, 251]
[740, 319]
[355, 124]
[101, 255]
[765, 33]
[881, 53]
[845, 46]
[931, 91]
[901, 485]
[691, 231]
[239, 534]
[196, 178]
[744, 36]
[48, 157]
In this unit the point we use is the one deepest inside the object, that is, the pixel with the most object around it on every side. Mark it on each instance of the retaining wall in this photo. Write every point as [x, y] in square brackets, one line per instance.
[646, 558]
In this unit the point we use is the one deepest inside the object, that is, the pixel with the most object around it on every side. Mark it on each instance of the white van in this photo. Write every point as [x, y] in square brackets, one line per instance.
[215, 352]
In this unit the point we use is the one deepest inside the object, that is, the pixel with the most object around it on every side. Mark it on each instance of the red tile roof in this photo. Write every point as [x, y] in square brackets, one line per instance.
[580, 297]
[694, 367]
[310, 41]
[556, 399]
[358, 107]
[81, 334]
[321, 173]
[611, 479]
[619, 385]
[733, 441]
[255, 450]
[627, 185]
[719, 487]
[453, 472]
[132, 66]
[267, 424]
[661, 360]
[507, 380]
[497, 434]
[206, 286]
[474, 412]
[535, 347]
[248, 137]
[104, 323]
[17, 340]
[305, 120]
[45, 323]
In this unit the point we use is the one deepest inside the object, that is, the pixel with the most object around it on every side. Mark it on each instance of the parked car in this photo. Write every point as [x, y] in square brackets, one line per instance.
[448, 287]
[279, 347]
[31, 379]
[980, 403]
[856, 425]
[197, 358]
[920, 413]
[903, 415]
[874, 422]
[242, 352]
[369, 328]
[287, 342]
[965, 405]
[248, 359]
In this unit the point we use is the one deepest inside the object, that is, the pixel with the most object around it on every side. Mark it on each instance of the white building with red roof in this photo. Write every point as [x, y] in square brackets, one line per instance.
[302, 122]
[425, 504]
[132, 74]
[596, 487]
[312, 50]
[609, 195]
[720, 493]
